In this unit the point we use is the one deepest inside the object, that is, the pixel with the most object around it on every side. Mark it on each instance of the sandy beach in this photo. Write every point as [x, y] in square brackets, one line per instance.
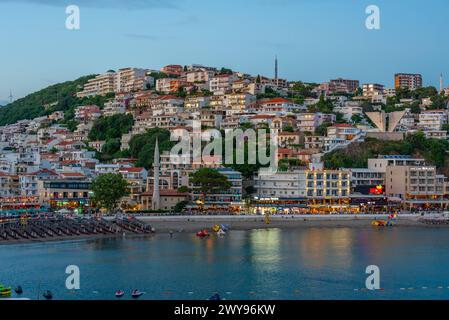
[196, 223]
[193, 224]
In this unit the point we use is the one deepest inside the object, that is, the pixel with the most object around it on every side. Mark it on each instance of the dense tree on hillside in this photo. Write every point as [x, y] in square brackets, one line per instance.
[110, 150]
[111, 127]
[323, 105]
[141, 146]
[269, 94]
[55, 97]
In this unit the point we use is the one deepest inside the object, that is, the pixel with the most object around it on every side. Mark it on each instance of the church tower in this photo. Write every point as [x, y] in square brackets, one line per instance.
[155, 202]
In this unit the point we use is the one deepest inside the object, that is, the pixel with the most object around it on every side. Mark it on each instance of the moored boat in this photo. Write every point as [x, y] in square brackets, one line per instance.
[48, 295]
[215, 297]
[136, 293]
[119, 293]
[203, 233]
[5, 291]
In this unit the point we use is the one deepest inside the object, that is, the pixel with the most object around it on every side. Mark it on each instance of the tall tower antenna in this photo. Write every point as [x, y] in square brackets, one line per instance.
[11, 97]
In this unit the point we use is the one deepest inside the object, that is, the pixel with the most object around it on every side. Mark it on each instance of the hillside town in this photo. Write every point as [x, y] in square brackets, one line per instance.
[49, 163]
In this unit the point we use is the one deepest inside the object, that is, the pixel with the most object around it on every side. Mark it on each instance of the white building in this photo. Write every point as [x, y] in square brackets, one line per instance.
[280, 184]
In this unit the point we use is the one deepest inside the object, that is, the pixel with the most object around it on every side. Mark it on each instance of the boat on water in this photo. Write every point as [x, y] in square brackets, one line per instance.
[48, 295]
[203, 233]
[5, 291]
[18, 290]
[385, 223]
[119, 293]
[215, 297]
[136, 293]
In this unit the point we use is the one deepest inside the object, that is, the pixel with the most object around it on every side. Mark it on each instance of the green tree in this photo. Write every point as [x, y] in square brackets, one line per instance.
[108, 190]
[141, 146]
[183, 189]
[207, 180]
[321, 130]
[111, 127]
[180, 206]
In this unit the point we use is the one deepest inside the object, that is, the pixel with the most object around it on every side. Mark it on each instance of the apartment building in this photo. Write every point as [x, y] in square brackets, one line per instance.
[100, 85]
[131, 79]
[407, 81]
[367, 181]
[342, 131]
[195, 103]
[383, 161]
[170, 85]
[433, 119]
[414, 183]
[279, 106]
[372, 89]
[340, 85]
[222, 83]
[328, 183]
[173, 69]
[280, 184]
[87, 113]
[238, 102]
[233, 196]
[308, 122]
[199, 76]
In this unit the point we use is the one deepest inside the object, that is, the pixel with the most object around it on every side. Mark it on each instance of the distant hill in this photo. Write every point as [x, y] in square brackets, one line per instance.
[58, 97]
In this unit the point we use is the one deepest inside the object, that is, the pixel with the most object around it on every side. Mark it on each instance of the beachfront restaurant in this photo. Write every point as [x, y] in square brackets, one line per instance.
[72, 195]
[19, 205]
[352, 204]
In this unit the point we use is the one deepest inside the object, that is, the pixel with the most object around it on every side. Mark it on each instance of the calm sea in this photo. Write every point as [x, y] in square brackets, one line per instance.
[305, 263]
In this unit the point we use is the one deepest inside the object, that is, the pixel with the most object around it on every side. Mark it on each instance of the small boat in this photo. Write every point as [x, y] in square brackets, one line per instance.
[216, 228]
[5, 292]
[18, 290]
[48, 295]
[382, 223]
[136, 293]
[215, 297]
[221, 233]
[203, 233]
[119, 293]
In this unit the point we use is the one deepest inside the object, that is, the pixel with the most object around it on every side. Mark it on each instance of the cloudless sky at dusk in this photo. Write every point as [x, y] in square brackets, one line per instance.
[315, 40]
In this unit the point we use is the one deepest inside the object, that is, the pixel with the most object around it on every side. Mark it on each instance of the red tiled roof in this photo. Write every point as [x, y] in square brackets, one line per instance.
[277, 100]
[342, 125]
[71, 174]
[132, 169]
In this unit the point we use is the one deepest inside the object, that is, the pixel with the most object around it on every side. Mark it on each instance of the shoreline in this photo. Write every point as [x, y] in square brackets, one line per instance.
[196, 223]
[193, 224]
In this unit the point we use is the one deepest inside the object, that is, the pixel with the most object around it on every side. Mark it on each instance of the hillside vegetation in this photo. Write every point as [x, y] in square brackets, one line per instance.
[58, 97]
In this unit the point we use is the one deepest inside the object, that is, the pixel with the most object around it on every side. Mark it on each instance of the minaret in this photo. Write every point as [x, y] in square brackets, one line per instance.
[441, 83]
[155, 202]
[276, 69]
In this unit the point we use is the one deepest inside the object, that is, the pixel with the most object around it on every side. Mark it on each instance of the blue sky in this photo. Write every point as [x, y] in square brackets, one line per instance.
[315, 40]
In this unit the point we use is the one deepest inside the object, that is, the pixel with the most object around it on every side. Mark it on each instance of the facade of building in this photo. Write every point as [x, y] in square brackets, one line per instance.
[407, 81]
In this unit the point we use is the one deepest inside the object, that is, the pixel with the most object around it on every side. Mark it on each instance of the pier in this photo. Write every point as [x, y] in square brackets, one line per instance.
[58, 227]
